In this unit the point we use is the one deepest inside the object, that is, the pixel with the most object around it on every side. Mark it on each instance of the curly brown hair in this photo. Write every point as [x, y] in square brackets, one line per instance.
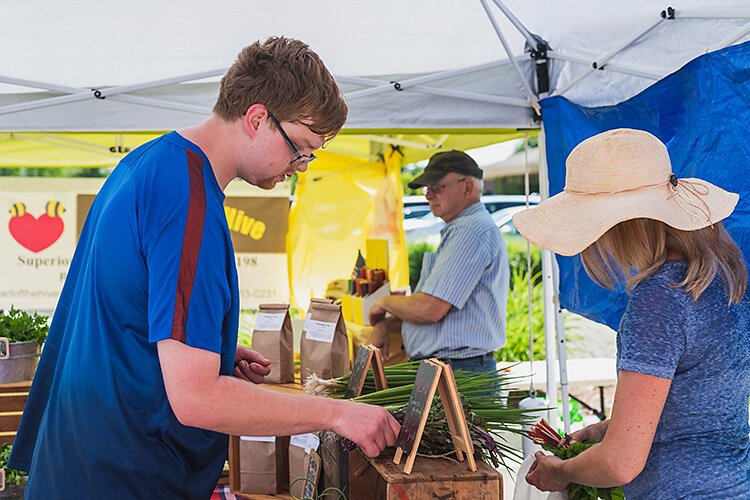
[287, 77]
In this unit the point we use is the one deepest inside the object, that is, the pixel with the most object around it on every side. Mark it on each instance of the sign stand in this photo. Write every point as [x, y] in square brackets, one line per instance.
[368, 357]
[313, 473]
[433, 375]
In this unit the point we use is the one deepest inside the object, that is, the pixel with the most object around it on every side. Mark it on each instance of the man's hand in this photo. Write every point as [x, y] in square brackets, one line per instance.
[377, 312]
[545, 473]
[379, 338]
[250, 365]
[372, 428]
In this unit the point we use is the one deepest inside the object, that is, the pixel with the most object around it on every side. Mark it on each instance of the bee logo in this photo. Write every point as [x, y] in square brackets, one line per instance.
[54, 208]
[36, 233]
[18, 209]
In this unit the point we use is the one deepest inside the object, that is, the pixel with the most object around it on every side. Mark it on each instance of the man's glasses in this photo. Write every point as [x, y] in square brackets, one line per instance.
[438, 188]
[299, 158]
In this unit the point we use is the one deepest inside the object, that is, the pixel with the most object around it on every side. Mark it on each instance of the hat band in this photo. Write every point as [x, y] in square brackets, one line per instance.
[689, 199]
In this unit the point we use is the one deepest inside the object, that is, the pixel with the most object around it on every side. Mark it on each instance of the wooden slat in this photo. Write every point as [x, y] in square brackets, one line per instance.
[12, 401]
[9, 421]
[16, 387]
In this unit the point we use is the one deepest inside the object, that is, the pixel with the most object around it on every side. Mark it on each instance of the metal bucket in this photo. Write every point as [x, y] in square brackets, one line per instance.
[13, 491]
[17, 360]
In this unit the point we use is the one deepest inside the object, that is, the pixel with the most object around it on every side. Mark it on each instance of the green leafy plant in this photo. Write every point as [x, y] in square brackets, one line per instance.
[20, 326]
[416, 251]
[562, 447]
[517, 250]
[517, 318]
[12, 476]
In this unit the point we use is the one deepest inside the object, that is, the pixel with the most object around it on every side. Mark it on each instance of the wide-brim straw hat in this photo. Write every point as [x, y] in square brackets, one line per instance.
[615, 176]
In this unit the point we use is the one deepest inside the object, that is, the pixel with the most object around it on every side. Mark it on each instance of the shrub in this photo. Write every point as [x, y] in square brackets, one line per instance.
[517, 318]
[517, 256]
[415, 252]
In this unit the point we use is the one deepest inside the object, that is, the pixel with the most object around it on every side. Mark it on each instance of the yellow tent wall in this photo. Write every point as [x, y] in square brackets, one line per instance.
[340, 203]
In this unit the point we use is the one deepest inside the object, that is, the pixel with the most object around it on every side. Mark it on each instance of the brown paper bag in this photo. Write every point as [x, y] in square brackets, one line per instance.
[299, 459]
[309, 311]
[273, 337]
[264, 465]
[324, 347]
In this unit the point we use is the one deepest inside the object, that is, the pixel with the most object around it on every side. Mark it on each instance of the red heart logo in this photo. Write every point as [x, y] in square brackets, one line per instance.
[36, 234]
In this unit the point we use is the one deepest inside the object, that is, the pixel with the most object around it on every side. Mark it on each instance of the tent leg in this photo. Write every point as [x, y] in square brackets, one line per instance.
[550, 310]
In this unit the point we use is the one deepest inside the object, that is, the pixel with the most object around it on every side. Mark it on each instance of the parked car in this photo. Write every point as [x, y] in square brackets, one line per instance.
[426, 228]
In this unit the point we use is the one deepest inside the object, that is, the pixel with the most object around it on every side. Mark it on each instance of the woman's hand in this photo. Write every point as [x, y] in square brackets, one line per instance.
[594, 432]
[545, 473]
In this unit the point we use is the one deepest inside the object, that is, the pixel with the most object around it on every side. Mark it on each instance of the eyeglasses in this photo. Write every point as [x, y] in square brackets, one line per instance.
[299, 158]
[438, 188]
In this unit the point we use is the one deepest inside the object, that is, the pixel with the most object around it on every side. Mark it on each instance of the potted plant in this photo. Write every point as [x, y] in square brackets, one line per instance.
[21, 335]
[15, 481]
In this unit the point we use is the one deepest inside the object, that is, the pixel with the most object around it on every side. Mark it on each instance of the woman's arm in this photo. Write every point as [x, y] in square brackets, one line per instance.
[623, 452]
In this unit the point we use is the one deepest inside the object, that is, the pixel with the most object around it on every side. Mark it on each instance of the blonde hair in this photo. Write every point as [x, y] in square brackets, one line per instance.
[643, 245]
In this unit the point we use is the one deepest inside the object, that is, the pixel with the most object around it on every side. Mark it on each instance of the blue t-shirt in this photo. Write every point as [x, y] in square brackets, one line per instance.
[154, 261]
[701, 447]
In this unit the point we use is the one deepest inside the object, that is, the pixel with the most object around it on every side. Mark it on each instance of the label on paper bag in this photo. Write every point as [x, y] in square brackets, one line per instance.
[307, 441]
[321, 331]
[307, 321]
[259, 439]
[269, 322]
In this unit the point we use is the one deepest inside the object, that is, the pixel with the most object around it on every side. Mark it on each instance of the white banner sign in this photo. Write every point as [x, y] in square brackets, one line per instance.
[40, 221]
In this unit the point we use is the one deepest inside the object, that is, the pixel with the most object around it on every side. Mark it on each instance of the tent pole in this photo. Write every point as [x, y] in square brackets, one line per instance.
[712, 14]
[732, 38]
[76, 94]
[614, 67]
[515, 22]
[416, 84]
[550, 314]
[599, 63]
[533, 101]
[160, 103]
[562, 353]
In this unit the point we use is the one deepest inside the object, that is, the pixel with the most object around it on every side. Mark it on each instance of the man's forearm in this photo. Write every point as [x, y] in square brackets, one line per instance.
[416, 308]
[257, 411]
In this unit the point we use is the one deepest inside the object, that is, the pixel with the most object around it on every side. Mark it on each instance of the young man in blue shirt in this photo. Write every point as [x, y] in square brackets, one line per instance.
[141, 379]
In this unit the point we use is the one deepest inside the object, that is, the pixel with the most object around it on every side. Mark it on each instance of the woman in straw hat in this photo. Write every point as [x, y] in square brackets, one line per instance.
[679, 425]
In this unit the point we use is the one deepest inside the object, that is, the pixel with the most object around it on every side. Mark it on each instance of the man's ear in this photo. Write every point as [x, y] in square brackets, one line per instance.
[469, 186]
[255, 116]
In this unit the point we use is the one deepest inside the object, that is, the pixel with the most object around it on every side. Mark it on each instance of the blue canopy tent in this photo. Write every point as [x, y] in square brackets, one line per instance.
[700, 112]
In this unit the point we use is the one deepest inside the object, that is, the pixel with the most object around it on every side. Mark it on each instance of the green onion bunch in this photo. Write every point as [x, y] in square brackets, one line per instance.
[486, 408]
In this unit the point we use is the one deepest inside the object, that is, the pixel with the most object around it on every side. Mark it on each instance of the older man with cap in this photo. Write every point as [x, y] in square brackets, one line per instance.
[457, 310]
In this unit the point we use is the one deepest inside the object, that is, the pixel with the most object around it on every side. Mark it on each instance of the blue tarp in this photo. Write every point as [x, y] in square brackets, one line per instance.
[701, 112]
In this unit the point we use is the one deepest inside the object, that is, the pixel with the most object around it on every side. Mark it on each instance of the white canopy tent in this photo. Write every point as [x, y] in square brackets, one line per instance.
[426, 67]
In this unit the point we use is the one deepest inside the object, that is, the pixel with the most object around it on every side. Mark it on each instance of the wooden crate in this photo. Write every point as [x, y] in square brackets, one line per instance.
[335, 473]
[12, 400]
[380, 478]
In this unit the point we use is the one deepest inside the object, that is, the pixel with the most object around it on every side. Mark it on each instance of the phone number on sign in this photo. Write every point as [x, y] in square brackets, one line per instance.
[258, 293]
[245, 261]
